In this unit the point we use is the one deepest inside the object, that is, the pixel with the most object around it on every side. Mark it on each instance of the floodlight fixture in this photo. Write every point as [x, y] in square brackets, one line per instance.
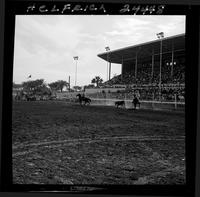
[75, 57]
[160, 35]
[107, 48]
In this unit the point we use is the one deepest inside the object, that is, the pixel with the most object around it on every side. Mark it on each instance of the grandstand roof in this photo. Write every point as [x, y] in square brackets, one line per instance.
[145, 49]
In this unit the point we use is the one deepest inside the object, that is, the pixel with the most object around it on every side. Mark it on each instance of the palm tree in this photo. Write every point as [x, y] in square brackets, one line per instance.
[98, 80]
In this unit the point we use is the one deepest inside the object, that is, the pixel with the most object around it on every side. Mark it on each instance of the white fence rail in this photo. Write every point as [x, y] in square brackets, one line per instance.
[156, 105]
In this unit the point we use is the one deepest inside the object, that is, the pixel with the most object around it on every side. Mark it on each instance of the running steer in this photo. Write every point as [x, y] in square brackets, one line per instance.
[119, 103]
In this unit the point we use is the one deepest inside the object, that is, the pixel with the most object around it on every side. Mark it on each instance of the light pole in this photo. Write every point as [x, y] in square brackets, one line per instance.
[160, 36]
[69, 83]
[76, 59]
[107, 49]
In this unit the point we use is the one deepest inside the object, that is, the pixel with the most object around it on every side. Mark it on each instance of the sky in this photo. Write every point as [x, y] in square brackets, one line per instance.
[46, 44]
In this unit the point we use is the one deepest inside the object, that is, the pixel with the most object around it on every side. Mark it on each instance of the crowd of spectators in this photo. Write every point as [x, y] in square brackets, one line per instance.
[170, 94]
[144, 75]
[147, 86]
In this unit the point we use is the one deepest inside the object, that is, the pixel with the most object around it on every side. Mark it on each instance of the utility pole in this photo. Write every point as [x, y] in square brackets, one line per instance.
[69, 83]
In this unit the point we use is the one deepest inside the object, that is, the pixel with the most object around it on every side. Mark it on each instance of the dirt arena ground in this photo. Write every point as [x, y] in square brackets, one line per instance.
[55, 142]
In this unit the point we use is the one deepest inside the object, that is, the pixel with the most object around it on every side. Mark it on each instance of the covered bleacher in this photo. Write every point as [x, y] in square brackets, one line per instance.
[133, 58]
[155, 68]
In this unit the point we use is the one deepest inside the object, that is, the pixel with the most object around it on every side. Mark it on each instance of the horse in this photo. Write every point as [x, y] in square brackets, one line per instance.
[83, 98]
[30, 98]
[119, 103]
[135, 102]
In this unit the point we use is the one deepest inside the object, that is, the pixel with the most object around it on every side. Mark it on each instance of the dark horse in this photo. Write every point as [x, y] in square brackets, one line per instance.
[84, 99]
[30, 98]
[119, 103]
[135, 102]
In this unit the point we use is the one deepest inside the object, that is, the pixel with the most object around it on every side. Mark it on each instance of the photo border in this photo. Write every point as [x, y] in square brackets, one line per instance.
[192, 57]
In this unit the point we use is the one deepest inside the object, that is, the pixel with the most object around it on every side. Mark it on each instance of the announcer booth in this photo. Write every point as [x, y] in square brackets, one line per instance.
[156, 57]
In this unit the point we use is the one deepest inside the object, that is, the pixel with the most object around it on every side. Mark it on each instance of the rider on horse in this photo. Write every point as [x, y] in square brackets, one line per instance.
[135, 101]
[83, 98]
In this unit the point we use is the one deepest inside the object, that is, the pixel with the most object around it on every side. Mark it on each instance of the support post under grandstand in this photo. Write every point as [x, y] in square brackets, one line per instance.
[172, 66]
[122, 68]
[136, 62]
[152, 62]
[109, 69]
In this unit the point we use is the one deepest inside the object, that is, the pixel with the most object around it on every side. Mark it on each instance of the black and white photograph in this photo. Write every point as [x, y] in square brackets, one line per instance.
[99, 100]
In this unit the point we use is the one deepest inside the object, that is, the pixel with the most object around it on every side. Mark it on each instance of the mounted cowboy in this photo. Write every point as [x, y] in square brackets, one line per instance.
[83, 98]
[135, 101]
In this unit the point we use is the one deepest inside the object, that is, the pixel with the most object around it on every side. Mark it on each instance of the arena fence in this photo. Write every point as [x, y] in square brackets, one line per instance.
[155, 105]
[110, 99]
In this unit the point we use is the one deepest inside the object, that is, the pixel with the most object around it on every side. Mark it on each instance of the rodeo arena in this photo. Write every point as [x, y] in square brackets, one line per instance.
[128, 130]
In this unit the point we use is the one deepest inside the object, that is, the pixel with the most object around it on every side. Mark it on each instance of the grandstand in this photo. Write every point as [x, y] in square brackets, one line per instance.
[154, 70]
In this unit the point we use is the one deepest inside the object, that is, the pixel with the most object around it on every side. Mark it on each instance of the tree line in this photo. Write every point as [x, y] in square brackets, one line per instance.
[39, 86]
